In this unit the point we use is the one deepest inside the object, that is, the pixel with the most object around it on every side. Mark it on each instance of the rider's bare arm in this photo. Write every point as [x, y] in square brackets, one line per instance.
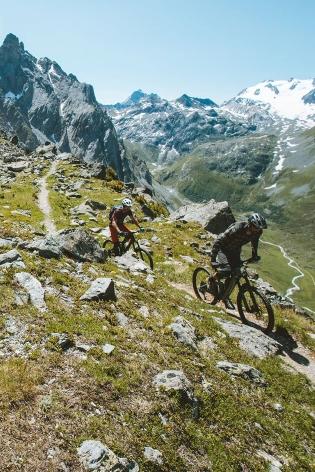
[254, 243]
[135, 220]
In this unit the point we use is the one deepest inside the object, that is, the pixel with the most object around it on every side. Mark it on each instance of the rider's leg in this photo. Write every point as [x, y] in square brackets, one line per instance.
[115, 239]
[234, 264]
[128, 239]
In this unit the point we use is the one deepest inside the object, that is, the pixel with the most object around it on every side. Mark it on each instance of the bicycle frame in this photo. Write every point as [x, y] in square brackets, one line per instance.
[129, 241]
[235, 280]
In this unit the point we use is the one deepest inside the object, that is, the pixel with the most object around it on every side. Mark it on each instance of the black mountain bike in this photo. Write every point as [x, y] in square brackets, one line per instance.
[129, 242]
[253, 306]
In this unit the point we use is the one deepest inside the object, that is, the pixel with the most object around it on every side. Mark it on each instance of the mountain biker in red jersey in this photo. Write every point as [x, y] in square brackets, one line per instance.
[226, 250]
[116, 221]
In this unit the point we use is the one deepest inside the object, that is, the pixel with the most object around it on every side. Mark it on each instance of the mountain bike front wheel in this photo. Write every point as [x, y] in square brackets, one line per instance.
[255, 309]
[205, 286]
[144, 256]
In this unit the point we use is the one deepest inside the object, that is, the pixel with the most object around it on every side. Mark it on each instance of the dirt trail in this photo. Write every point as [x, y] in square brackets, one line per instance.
[296, 356]
[43, 200]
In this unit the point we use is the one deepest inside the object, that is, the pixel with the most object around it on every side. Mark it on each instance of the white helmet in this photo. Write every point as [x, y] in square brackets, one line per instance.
[127, 202]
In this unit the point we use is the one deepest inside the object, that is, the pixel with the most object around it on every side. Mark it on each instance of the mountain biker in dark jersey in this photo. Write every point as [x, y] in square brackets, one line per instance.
[116, 223]
[226, 250]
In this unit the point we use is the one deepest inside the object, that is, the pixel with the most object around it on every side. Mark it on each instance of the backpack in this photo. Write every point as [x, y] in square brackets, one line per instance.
[112, 211]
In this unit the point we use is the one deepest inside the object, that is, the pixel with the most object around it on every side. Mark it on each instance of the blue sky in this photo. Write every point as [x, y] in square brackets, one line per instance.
[203, 48]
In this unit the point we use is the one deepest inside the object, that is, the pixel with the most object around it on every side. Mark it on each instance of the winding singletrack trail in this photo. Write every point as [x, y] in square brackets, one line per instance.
[297, 357]
[43, 200]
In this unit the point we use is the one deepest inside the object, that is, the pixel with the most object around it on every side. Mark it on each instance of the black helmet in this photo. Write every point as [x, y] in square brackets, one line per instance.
[257, 220]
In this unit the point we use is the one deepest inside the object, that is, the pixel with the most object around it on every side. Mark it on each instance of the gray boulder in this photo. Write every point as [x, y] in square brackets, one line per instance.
[206, 346]
[129, 262]
[214, 216]
[33, 287]
[153, 455]
[94, 455]
[100, 289]
[75, 243]
[172, 380]
[275, 465]
[11, 259]
[184, 331]
[242, 370]
[253, 341]
[176, 380]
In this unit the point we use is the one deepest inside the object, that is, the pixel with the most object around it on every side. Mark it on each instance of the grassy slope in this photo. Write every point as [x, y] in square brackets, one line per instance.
[56, 400]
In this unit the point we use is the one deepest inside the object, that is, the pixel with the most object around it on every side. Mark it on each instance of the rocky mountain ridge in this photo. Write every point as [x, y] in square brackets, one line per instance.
[39, 102]
[174, 127]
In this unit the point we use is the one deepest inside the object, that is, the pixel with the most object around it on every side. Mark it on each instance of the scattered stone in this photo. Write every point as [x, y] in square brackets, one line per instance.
[184, 331]
[94, 455]
[6, 242]
[205, 346]
[150, 279]
[21, 213]
[83, 347]
[62, 340]
[155, 239]
[11, 259]
[18, 166]
[13, 340]
[274, 464]
[153, 455]
[144, 311]
[253, 341]
[188, 259]
[108, 348]
[172, 380]
[278, 407]
[206, 385]
[34, 288]
[122, 319]
[102, 288]
[21, 298]
[129, 262]
[242, 370]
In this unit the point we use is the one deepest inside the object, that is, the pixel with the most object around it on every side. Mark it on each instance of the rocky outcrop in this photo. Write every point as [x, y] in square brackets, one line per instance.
[253, 341]
[34, 289]
[94, 455]
[77, 244]
[101, 289]
[242, 370]
[214, 216]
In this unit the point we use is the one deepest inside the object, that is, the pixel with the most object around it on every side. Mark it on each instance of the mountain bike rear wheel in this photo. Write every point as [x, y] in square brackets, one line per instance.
[255, 309]
[205, 286]
[145, 256]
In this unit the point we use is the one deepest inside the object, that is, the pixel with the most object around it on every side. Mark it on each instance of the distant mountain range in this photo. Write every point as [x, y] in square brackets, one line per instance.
[175, 126]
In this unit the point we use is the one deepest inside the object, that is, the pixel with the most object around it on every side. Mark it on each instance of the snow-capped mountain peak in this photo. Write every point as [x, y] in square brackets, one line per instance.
[291, 99]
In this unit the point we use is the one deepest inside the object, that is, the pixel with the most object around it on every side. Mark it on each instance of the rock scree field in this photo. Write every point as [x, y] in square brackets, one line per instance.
[109, 366]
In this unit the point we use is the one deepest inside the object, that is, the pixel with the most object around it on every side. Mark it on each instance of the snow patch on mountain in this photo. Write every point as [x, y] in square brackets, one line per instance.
[271, 100]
